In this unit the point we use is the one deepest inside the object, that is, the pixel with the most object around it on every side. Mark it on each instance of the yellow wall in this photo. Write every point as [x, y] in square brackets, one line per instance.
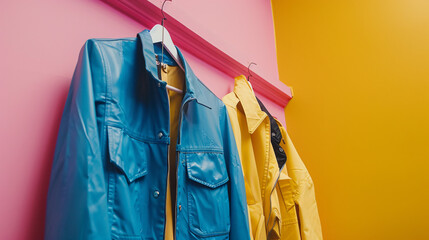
[360, 114]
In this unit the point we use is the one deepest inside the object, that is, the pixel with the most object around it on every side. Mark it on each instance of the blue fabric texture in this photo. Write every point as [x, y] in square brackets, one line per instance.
[109, 174]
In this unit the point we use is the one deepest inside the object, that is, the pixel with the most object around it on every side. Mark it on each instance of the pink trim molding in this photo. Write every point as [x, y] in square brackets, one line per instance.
[148, 14]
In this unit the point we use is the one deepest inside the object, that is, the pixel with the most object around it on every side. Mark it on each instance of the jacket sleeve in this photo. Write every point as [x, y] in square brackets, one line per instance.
[76, 202]
[305, 199]
[237, 191]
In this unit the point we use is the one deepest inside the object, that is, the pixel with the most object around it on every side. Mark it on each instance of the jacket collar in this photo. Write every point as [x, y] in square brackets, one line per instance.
[195, 89]
[254, 115]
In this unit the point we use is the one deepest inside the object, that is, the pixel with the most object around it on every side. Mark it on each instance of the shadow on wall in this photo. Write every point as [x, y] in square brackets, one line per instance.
[34, 226]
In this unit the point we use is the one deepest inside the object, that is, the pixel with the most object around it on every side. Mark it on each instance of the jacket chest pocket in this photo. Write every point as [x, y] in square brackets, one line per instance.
[128, 161]
[208, 198]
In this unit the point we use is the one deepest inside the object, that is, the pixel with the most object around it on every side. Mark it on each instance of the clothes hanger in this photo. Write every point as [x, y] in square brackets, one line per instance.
[160, 34]
[157, 34]
[250, 74]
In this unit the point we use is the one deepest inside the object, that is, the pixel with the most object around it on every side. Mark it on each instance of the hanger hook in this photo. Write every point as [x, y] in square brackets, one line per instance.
[162, 24]
[162, 12]
[248, 70]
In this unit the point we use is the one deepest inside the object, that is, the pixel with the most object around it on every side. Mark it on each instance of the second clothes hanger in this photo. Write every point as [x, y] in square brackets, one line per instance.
[248, 76]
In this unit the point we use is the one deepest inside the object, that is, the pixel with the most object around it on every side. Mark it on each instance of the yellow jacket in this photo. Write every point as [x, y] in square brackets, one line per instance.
[251, 128]
[300, 218]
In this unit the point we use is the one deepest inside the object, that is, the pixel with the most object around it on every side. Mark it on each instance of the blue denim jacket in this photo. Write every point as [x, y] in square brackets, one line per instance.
[109, 173]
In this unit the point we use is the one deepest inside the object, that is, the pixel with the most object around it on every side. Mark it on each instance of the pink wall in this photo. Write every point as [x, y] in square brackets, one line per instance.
[244, 29]
[39, 46]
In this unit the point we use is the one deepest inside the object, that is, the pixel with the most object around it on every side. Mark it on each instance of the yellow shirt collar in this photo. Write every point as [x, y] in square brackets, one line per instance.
[254, 115]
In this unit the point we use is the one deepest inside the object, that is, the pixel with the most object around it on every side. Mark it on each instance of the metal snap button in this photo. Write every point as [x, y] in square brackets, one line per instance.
[159, 84]
[160, 134]
[280, 149]
[156, 194]
[164, 67]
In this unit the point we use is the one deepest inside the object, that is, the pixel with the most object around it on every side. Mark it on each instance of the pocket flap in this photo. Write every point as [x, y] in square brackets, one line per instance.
[127, 153]
[208, 169]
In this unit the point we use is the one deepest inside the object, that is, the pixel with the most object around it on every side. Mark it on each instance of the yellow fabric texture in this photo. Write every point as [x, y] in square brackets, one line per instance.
[300, 217]
[175, 77]
[251, 128]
